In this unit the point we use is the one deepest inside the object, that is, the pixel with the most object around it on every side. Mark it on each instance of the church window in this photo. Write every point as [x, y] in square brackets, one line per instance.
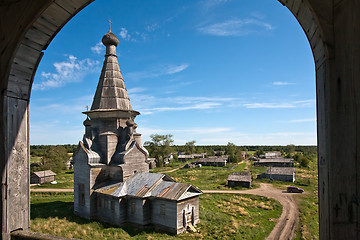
[99, 202]
[133, 207]
[81, 194]
[112, 205]
[106, 202]
[162, 209]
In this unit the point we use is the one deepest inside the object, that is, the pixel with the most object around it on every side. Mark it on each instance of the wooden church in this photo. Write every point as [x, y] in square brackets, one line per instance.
[112, 182]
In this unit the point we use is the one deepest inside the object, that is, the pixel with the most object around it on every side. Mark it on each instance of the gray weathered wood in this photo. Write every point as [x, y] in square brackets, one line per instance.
[16, 181]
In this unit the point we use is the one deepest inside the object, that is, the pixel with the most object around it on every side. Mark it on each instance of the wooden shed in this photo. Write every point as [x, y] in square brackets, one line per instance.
[212, 161]
[42, 177]
[274, 162]
[242, 179]
[286, 174]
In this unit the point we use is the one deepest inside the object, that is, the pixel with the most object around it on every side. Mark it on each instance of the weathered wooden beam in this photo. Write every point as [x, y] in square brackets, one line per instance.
[23, 235]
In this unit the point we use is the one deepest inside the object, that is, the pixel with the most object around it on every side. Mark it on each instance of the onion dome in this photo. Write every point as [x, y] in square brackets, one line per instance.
[110, 39]
[87, 122]
[130, 123]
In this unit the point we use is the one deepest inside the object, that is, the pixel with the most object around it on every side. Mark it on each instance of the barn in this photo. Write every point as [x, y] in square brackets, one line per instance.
[242, 179]
[42, 177]
[286, 174]
[274, 162]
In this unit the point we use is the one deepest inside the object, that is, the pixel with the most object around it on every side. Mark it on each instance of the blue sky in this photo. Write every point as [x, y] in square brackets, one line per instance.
[214, 71]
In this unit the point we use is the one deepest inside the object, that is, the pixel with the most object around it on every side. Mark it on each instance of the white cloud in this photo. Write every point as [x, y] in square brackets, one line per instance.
[210, 4]
[98, 48]
[210, 136]
[236, 27]
[306, 102]
[282, 83]
[148, 104]
[292, 104]
[124, 34]
[152, 27]
[199, 106]
[269, 105]
[135, 90]
[157, 71]
[303, 120]
[71, 70]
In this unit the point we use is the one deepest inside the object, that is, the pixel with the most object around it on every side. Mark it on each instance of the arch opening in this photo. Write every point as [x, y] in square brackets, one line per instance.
[337, 113]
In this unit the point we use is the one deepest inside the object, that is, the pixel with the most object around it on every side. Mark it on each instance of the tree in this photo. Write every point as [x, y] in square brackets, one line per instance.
[290, 149]
[259, 152]
[232, 151]
[55, 158]
[190, 147]
[159, 147]
[304, 162]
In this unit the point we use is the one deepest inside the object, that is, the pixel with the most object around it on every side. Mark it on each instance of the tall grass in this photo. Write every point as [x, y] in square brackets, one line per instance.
[223, 216]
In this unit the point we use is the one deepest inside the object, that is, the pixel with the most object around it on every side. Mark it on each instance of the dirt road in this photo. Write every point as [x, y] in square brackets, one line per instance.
[51, 190]
[287, 223]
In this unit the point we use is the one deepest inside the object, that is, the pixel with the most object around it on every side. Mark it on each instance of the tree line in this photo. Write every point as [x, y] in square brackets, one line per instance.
[161, 146]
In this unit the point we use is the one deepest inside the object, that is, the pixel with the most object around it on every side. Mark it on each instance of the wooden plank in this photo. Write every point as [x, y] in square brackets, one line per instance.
[310, 31]
[37, 36]
[305, 17]
[289, 4]
[296, 6]
[34, 45]
[56, 15]
[26, 56]
[18, 76]
[44, 26]
[17, 166]
[318, 50]
[72, 6]
[19, 90]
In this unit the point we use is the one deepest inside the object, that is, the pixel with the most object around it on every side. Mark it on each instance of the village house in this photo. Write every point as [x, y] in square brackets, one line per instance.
[184, 157]
[274, 162]
[69, 163]
[272, 155]
[41, 177]
[286, 174]
[112, 182]
[212, 161]
[242, 179]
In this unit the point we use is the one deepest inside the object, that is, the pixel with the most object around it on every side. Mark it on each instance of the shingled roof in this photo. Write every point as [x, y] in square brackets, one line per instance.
[111, 93]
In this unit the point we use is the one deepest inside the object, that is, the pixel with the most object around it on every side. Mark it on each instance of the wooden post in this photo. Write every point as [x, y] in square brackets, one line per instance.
[15, 194]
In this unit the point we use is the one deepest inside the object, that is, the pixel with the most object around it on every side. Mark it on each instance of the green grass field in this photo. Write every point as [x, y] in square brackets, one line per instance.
[207, 177]
[223, 216]
[216, 178]
[35, 159]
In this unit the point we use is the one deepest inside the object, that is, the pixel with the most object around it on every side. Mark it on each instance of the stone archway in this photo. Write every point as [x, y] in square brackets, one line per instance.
[27, 27]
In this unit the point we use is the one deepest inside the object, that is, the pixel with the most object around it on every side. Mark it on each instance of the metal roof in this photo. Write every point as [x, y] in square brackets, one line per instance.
[151, 185]
[280, 170]
[46, 173]
[212, 160]
[240, 177]
[276, 160]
